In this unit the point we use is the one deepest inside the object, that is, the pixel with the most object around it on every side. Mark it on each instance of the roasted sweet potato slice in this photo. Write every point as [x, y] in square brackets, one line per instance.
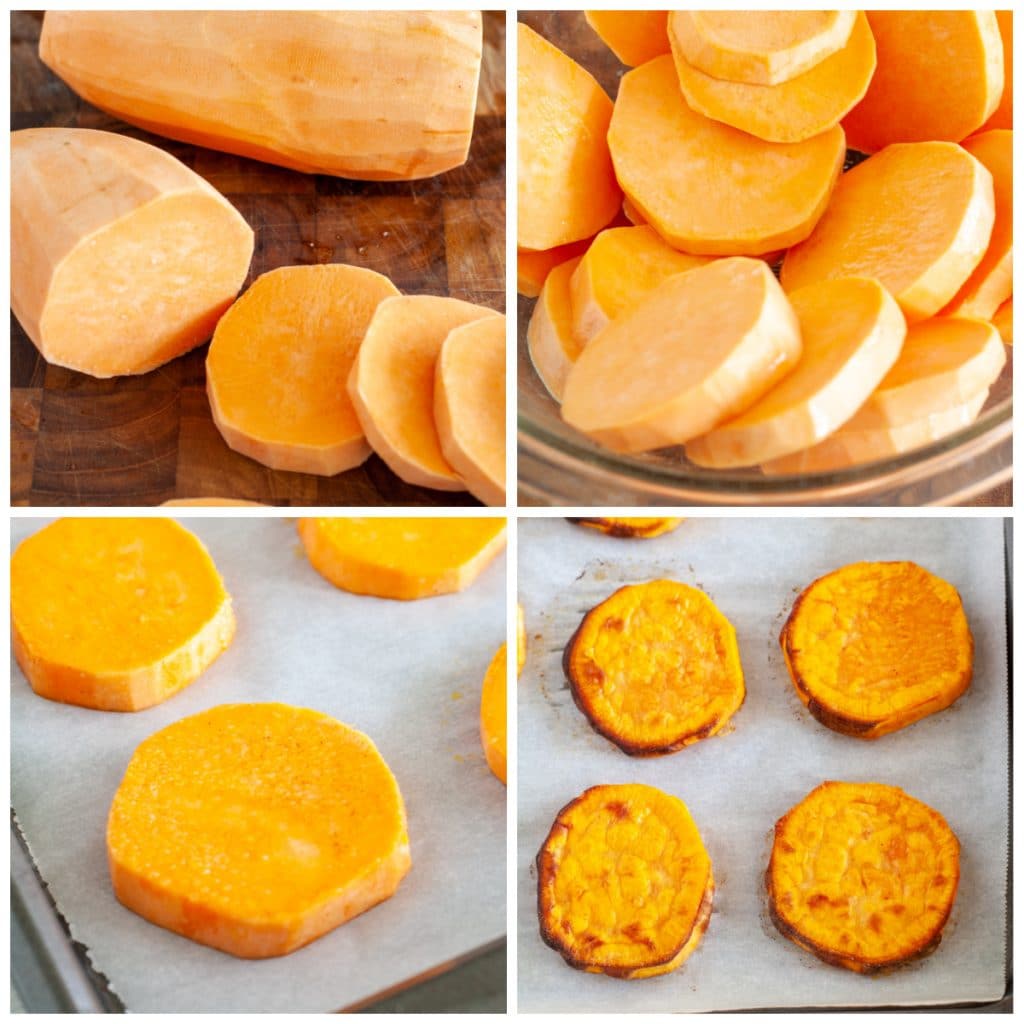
[550, 340]
[624, 883]
[256, 828]
[116, 614]
[863, 876]
[655, 668]
[633, 526]
[493, 713]
[520, 639]
[875, 646]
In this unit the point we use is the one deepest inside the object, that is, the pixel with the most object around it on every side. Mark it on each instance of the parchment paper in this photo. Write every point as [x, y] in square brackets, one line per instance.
[739, 783]
[406, 673]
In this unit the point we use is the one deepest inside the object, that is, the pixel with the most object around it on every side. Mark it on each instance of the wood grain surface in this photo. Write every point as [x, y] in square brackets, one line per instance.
[143, 440]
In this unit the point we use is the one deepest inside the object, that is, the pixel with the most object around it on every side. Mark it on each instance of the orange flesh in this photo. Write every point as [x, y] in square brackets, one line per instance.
[493, 713]
[1003, 321]
[533, 268]
[634, 526]
[553, 347]
[635, 37]
[1003, 116]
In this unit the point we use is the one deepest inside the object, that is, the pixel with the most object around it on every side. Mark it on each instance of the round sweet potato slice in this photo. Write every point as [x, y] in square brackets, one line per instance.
[624, 883]
[493, 713]
[655, 668]
[116, 614]
[863, 876]
[632, 527]
[256, 828]
[876, 646]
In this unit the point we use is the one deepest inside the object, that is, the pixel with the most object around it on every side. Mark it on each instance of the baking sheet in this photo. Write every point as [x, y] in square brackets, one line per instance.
[737, 784]
[406, 673]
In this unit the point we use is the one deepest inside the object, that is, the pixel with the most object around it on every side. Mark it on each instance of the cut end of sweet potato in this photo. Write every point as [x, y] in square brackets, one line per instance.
[493, 712]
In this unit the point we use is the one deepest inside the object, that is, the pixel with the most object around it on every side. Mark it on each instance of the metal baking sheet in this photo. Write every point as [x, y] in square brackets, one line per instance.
[737, 784]
[406, 673]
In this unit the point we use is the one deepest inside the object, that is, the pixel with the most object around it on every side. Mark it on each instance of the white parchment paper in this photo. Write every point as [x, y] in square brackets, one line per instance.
[406, 673]
[739, 783]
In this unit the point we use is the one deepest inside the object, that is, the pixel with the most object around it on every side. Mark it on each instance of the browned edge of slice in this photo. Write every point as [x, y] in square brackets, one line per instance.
[616, 529]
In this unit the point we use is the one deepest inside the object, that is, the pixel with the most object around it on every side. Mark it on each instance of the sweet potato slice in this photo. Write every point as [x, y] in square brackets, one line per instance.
[991, 283]
[939, 77]
[875, 646]
[631, 527]
[624, 883]
[758, 47]
[1003, 116]
[256, 828]
[469, 406]
[707, 188]
[889, 902]
[121, 257]
[631, 213]
[532, 268]
[852, 333]
[1003, 321]
[918, 217]
[550, 340]
[655, 668]
[391, 384]
[620, 267]
[635, 37]
[493, 713]
[566, 186]
[116, 614]
[795, 110]
[404, 559]
[279, 360]
[520, 639]
[700, 348]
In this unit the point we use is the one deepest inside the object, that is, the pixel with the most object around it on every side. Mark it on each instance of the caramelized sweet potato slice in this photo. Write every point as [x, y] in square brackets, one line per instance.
[635, 526]
[624, 883]
[655, 668]
[256, 828]
[863, 876]
[875, 646]
[550, 340]
[493, 712]
[635, 37]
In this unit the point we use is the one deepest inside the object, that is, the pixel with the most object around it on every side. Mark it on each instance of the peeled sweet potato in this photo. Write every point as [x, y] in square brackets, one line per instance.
[1003, 321]
[493, 712]
[635, 37]
[1003, 115]
[533, 267]
[550, 339]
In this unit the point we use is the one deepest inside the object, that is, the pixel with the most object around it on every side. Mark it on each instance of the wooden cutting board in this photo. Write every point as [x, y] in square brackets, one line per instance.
[142, 440]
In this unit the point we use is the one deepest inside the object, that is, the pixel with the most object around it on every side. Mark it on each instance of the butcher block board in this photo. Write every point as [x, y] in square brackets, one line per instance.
[143, 440]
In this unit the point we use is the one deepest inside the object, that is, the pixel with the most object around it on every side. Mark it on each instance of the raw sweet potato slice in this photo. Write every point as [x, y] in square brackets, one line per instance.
[624, 883]
[852, 332]
[889, 902]
[707, 188]
[532, 268]
[655, 668]
[620, 267]
[404, 559]
[493, 713]
[256, 828]
[1003, 116]
[794, 110]
[567, 188]
[121, 257]
[635, 37]
[116, 614]
[469, 406]
[279, 360]
[391, 384]
[939, 78]
[1003, 321]
[631, 213]
[991, 283]
[700, 348]
[632, 527]
[918, 217]
[550, 340]
[758, 47]
[875, 646]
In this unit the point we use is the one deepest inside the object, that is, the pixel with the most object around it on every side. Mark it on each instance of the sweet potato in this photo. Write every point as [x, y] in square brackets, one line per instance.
[758, 47]
[643, 527]
[635, 37]
[520, 639]
[256, 828]
[121, 257]
[852, 333]
[1003, 321]
[550, 340]
[469, 406]
[361, 94]
[707, 188]
[795, 110]
[631, 213]
[116, 614]
[566, 185]
[991, 283]
[279, 360]
[493, 712]
[939, 78]
[917, 216]
[700, 348]
[533, 267]
[403, 559]
[620, 267]
[655, 668]
[1003, 116]
[889, 902]
[391, 384]
[624, 883]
